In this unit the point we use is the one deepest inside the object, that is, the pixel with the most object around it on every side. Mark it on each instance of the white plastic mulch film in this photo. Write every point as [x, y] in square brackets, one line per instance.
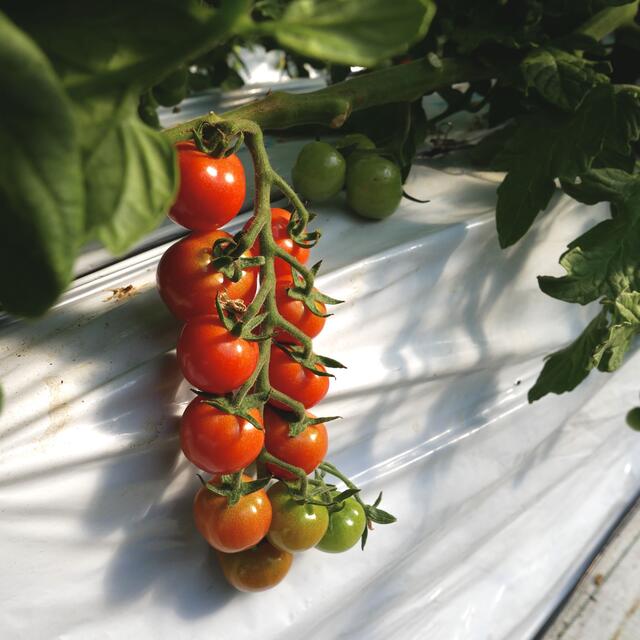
[499, 503]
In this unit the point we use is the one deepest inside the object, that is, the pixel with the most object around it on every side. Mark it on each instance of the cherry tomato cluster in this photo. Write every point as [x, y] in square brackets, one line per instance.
[373, 182]
[223, 348]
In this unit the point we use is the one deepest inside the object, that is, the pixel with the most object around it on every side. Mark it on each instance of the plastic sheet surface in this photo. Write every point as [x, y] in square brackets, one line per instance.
[498, 502]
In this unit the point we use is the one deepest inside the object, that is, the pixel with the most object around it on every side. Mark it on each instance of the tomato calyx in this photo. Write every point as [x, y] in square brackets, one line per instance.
[372, 512]
[311, 298]
[240, 407]
[227, 258]
[217, 138]
[310, 361]
[232, 316]
[297, 230]
[233, 487]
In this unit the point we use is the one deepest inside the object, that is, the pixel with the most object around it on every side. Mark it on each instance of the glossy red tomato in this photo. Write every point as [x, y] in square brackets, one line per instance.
[187, 282]
[216, 441]
[255, 569]
[297, 314]
[232, 528]
[211, 190]
[306, 450]
[294, 380]
[279, 221]
[212, 359]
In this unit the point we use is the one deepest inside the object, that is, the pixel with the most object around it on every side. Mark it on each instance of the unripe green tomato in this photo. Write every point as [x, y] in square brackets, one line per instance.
[319, 171]
[345, 527]
[294, 527]
[633, 418]
[358, 141]
[374, 186]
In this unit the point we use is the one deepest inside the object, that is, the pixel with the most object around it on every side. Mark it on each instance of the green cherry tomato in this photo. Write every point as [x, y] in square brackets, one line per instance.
[374, 186]
[633, 418]
[345, 527]
[355, 142]
[295, 527]
[319, 171]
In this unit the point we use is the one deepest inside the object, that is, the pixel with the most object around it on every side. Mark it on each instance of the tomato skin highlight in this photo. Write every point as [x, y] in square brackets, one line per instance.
[211, 192]
[295, 527]
[218, 442]
[279, 221]
[297, 314]
[306, 450]
[255, 569]
[212, 359]
[291, 378]
[345, 528]
[187, 282]
[232, 528]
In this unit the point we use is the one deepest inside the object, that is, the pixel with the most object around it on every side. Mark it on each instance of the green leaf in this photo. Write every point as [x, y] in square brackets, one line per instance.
[548, 146]
[137, 184]
[41, 193]
[564, 370]
[608, 356]
[379, 516]
[108, 53]
[604, 261]
[561, 78]
[351, 32]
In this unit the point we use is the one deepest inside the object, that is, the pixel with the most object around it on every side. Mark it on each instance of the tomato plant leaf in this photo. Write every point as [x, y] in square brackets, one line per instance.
[351, 32]
[137, 184]
[604, 261]
[565, 369]
[561, 78]
[41, 191]
[547, 146]
[106, 56]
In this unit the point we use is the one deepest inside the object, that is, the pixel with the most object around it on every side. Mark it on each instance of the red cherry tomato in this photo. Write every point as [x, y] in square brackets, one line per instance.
[187, 282]
[211, 190]
[255, 569]
[279, 221]
[232, 528]
[216, 441]
[306, 450]
[212, 359]
[297, 314]
[291, 378]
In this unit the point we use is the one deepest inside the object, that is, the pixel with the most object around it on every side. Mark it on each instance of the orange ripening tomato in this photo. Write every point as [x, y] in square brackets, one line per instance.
[297, 314]
[279, 221]
[211, 190]
[306, 450]
[255, 569]
[216, 441]
[232, 528]
[187, 282]
[213, 359]
[292, 379]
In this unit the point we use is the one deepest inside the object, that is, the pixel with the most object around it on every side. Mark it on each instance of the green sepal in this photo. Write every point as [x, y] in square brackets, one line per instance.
[255, 485]
[344, 495]
[227, 405]
[226, 321]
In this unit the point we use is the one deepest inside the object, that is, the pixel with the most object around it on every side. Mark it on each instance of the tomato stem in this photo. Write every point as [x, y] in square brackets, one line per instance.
[301, 474]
